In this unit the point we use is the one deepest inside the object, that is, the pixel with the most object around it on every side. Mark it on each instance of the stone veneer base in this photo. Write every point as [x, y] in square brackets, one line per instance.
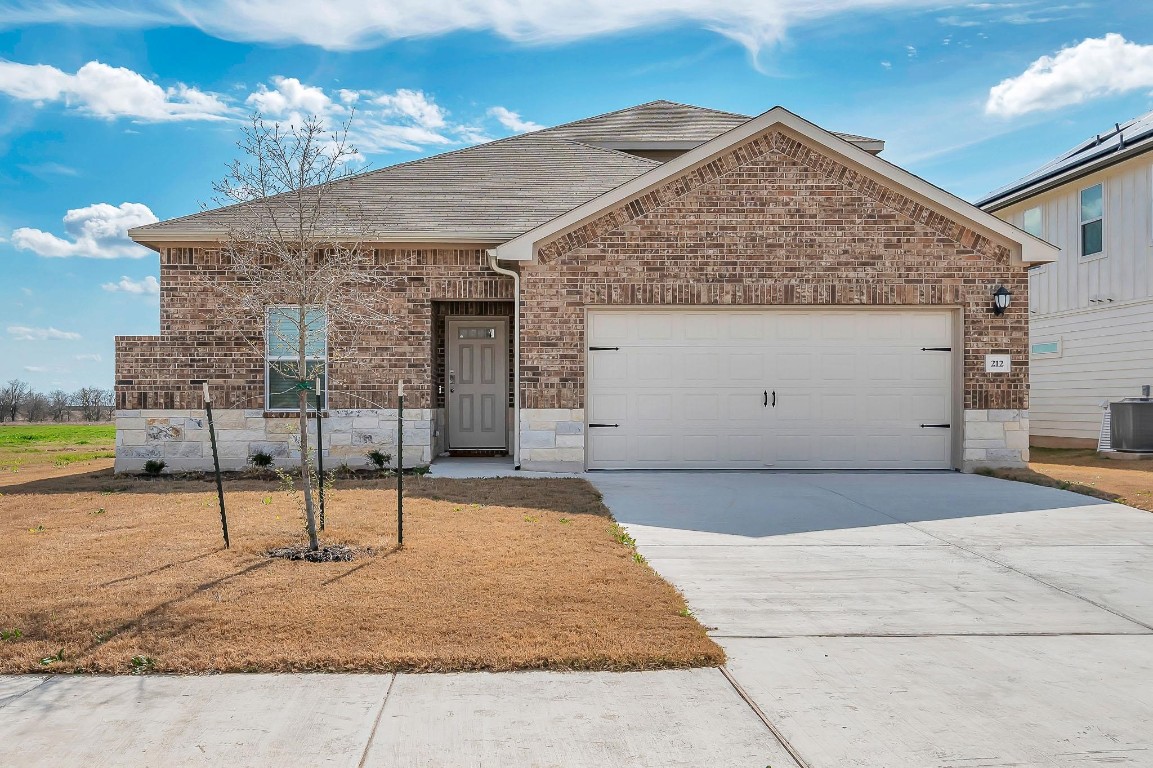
[552, 439]
[180, 437]
[995, 438]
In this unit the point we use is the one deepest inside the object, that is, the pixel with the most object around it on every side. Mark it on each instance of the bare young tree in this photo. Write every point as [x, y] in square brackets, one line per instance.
[301, 273]
[12, 397]
[91, 402]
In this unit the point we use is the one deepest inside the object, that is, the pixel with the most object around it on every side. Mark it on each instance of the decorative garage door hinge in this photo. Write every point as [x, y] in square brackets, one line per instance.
[936, 349]
[604, 349]
[938, 426]
[603, 425]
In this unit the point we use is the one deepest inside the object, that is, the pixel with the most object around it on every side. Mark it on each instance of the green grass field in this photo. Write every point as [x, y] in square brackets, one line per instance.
[57, 444]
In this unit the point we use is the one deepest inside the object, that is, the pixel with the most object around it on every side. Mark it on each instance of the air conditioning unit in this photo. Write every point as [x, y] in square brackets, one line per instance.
[1131, 423]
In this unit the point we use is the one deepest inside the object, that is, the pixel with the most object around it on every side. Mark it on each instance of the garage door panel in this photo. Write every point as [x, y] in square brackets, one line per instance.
[653, 407]
[608, 408]
[689, 389]
[653, 326]
[744, 366]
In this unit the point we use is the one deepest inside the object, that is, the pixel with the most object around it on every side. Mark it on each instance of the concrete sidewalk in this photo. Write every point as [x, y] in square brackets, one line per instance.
[538, 719]
[918, 620]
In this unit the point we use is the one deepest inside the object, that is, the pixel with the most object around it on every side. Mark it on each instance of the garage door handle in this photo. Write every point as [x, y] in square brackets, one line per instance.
[766, 403]
[938, 426]
[591, 426]
[774, 398]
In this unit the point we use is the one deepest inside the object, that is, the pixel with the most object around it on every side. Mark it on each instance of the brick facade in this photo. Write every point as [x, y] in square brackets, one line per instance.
[771, 222]
[158, 371]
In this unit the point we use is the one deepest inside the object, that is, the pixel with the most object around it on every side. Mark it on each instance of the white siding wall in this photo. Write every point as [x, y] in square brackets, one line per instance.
[1100, 308]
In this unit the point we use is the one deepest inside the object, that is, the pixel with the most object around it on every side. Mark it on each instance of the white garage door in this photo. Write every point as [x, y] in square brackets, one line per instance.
[837, 389]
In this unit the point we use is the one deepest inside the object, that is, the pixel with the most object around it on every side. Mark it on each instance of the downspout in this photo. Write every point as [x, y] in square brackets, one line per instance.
[515, 354]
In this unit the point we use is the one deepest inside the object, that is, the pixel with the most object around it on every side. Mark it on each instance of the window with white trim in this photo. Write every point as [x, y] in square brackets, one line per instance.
[1033, 222]
[1092, 221]
[285, 328]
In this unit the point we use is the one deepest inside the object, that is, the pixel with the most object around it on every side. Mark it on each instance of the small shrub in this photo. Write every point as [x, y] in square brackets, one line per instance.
[142, 664]
[379, 459]
[260, 460]
[154, 467]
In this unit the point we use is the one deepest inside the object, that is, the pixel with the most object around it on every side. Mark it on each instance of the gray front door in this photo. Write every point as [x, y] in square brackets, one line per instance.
[476, 375]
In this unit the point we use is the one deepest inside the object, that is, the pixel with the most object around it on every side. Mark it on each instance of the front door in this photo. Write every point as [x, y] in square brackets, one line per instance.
[476, 376]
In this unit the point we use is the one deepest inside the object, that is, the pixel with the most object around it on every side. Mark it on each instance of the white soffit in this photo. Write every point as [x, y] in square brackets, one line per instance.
[1032, 250]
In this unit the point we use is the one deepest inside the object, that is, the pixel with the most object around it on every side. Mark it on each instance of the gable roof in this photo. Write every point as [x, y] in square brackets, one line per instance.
[1122, 141]
[493, 192]
[665, 124]
[1030, 249]
[488, 194]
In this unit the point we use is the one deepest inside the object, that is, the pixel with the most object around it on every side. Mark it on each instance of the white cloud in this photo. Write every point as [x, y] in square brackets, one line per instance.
[414, 105]
[360, 24]
[513, 121]
[149, 286]
[1093, 68]
[36, 368]
[28, 333]
[98, 231]
[911, 51]
[886, 65]
[109, 92]
[93, 358]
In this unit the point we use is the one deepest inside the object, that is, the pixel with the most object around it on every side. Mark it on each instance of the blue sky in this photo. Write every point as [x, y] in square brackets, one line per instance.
[114, 113]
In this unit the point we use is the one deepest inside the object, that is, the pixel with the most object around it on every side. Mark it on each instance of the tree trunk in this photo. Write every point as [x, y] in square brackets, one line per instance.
[306, 474]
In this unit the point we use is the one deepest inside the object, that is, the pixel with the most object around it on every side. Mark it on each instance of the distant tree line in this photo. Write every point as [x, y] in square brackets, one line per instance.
[18, 401]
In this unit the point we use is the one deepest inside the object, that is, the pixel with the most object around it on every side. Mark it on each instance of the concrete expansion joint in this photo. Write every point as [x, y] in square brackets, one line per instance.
[376, 722]
[780, 737]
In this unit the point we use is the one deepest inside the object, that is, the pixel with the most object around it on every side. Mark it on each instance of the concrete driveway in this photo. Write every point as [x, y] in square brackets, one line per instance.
[920, 619]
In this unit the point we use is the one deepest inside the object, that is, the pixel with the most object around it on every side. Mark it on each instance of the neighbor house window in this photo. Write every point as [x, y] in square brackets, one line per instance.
[1092, 221]
[282, 333]
[1032, 222]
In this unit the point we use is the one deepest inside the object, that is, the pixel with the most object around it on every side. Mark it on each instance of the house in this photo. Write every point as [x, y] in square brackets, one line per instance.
[664, 286]
[1091, 311]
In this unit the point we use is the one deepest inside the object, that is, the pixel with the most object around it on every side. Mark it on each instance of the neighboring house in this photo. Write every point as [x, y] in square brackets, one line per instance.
[1091, 311]
[660, 287]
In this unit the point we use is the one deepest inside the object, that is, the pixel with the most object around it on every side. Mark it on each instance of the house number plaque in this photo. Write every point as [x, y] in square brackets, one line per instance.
[998, 363]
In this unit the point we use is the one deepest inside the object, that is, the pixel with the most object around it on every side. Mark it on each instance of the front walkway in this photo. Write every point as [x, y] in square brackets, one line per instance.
[919, 620]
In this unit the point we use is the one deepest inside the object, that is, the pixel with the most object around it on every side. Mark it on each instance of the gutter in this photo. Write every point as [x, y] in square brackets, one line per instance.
[492, 263]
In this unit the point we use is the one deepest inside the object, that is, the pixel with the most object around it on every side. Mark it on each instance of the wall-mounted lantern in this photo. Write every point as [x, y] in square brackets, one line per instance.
[1001, 299]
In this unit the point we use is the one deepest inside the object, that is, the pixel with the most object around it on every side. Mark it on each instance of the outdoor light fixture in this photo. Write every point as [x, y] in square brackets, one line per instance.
[1001, 299]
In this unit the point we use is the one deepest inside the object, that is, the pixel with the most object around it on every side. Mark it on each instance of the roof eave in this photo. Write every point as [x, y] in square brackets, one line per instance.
[1030, 250]
[154, 238]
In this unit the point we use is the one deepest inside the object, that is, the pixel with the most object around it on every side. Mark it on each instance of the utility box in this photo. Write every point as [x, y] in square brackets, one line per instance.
[1131, 424]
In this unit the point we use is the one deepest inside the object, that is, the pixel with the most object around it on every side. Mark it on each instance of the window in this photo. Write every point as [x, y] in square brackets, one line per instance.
[1092, 221]
[1045, 348]
[283, 327]
[1032, 222]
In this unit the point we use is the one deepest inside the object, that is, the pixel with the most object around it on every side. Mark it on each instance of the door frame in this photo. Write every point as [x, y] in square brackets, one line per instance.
[449, 340]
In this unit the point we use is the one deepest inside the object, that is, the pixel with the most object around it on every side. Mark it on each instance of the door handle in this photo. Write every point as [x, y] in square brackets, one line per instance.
[774, 398]
[766, 403]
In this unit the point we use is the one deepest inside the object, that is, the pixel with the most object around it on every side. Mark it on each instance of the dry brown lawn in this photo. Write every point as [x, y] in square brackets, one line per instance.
[496, 574]
[1083, 471]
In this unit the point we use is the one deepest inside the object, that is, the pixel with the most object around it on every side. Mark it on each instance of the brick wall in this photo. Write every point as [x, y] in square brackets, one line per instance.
[771, 222]
[157, 372]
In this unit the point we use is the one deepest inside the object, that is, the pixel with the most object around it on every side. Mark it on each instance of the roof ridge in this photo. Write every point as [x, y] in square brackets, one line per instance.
[638, 106]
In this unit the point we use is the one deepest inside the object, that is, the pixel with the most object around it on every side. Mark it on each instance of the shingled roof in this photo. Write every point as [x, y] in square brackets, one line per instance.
[494, 191]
